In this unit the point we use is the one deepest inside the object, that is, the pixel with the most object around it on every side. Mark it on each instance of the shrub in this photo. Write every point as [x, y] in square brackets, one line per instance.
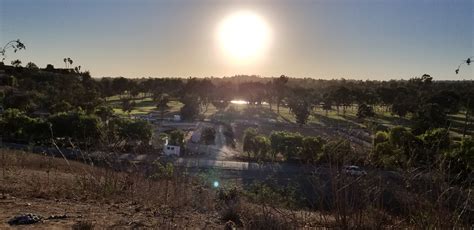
[287, 143]
[135, 130]
[275, 195]
[312, 149]
[337, 152]
[208, 135]
[248, 142]
[261, 147]
[176, 137]
[76, 125]
[436, 138]
[460, 160]
[380, 137]
[228, 202]
[386, 156]
[365, 111]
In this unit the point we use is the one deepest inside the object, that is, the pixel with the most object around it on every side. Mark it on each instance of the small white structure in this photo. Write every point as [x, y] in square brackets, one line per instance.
[170, 150]
[177, 118]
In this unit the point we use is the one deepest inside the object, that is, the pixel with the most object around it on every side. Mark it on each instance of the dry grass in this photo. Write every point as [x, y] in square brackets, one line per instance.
[174, 201]
[104, 198]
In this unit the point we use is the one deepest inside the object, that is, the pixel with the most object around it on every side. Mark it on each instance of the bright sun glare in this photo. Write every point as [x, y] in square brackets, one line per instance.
[244, 35]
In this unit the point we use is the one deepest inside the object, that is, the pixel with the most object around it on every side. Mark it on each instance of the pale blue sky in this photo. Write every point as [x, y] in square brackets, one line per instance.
[357, 39]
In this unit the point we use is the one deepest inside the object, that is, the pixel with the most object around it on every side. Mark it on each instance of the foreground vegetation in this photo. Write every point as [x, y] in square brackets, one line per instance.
[166, 198]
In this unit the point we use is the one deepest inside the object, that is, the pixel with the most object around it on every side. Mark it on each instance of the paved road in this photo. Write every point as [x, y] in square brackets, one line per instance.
[241, 166]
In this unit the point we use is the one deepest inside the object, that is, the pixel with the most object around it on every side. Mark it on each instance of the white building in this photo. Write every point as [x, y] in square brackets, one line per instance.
[170, 150]
[177, 118]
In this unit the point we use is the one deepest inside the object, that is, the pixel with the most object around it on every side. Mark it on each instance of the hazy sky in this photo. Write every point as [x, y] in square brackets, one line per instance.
[361, 39]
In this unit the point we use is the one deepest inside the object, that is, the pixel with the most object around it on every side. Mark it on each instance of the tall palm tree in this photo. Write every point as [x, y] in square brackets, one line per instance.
[68, 62]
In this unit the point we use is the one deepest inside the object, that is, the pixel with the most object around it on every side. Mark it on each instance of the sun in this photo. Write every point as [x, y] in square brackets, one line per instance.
[243, 35]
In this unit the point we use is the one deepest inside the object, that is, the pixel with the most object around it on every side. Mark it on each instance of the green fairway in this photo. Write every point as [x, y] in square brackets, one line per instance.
[318, 118]
[143, 106]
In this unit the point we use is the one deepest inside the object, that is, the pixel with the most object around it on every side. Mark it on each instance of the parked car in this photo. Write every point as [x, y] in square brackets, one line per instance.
[353, 170]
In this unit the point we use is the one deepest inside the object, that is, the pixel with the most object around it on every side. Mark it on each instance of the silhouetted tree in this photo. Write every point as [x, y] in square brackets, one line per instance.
[161, 100]
[386, 95]
[31, 65]
[14, 44]
[16, 63]
[253, 92]
[428, 116]
[300, 105]
[279, 85]
[405, 102]
[106, 88]
[342, 97]
[201, 90]
[249, 141]
[119, 85]
[77, 69]
[448, 100]
[191, 108]
[68, 62]
[49, 67]
[208, 135]
[127, 105]
[327, 103]
[365, 111]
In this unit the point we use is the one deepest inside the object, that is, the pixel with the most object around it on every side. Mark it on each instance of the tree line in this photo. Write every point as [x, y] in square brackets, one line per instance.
[425, 101]
[397, 148]
[35, 91]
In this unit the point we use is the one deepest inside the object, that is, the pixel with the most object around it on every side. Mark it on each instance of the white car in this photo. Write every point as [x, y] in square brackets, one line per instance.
[353, 170]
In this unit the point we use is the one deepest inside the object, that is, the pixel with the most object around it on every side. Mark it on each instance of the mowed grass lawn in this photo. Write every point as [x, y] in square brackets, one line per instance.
[142, 106]
[318, 117]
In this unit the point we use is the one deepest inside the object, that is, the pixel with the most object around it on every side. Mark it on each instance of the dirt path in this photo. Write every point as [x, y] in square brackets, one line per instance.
[218, 151]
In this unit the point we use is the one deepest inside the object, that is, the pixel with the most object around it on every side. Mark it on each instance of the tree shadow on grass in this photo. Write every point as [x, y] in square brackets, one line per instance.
[261, 113]
[145, 103]
[334, 122]
[257, 112]
[394, 120]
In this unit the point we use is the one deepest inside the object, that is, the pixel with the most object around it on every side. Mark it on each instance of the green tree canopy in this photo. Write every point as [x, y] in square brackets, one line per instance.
[312, 149]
